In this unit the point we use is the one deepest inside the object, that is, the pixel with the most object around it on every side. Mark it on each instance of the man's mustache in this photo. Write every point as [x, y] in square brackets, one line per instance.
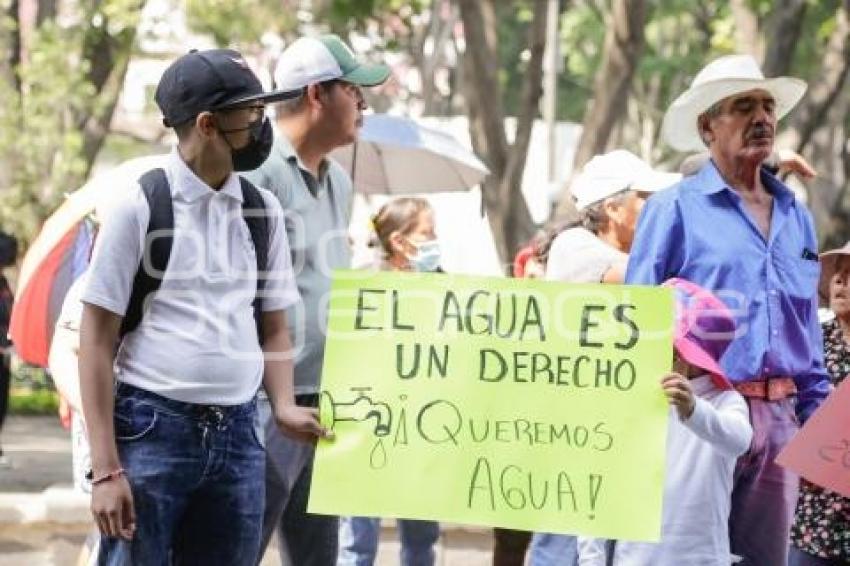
[759, 131]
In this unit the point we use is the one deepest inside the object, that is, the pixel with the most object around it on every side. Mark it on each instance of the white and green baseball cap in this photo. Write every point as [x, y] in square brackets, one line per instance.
[311, 60]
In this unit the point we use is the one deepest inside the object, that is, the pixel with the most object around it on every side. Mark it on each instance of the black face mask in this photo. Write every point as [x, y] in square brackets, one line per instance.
[255, 151]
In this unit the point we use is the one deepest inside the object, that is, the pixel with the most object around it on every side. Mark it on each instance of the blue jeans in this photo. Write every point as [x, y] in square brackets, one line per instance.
[305, 539]
[797, 557]
[553, 550]
[359, 541]
[196, 474]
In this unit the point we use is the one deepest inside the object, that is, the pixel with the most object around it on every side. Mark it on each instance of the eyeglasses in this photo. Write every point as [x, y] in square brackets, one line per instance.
[350, 89]
[256, 114]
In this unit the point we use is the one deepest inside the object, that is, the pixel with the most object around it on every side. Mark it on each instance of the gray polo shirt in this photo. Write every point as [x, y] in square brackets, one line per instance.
[316, 213]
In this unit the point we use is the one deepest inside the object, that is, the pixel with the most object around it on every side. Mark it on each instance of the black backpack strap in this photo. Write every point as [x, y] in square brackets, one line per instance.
[254, 214]
[157, 246]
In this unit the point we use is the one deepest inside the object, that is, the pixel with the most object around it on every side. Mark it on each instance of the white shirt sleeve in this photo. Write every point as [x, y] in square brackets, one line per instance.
[280, 290]
[117, 253]
[726, 427]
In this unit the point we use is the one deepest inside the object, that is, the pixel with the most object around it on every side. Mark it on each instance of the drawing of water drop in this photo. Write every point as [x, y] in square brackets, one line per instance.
[378, 455]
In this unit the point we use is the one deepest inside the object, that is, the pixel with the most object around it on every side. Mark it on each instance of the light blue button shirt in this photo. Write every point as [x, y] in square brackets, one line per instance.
[700, 230]
[316, 212]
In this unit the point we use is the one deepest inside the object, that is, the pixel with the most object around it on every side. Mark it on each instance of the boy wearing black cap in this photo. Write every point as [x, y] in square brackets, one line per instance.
[190, 277]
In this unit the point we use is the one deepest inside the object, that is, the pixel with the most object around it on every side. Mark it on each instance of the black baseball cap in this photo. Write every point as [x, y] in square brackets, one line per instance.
[214, 79]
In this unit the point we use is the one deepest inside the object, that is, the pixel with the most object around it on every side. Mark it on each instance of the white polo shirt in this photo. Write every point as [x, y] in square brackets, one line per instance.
[197, 341]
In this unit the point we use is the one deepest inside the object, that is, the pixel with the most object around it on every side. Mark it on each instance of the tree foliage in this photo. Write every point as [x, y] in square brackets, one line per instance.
[239, 22]
[61, 79]
[59, 89]
[343, 16]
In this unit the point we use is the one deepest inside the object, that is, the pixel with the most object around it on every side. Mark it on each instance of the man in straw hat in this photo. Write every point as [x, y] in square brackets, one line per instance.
[738, 231]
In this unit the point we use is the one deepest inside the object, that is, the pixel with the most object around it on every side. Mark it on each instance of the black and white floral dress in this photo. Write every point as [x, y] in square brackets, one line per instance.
[822, 520]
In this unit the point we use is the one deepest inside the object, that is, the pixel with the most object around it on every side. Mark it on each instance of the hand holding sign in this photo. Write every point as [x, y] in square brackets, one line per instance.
[300, 423]
[679, 393]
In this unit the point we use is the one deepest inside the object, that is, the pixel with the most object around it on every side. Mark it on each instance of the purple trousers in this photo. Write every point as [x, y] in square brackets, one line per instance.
[764, 493]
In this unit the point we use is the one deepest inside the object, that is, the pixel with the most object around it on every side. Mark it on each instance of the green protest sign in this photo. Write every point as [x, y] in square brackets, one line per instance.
[513, 403]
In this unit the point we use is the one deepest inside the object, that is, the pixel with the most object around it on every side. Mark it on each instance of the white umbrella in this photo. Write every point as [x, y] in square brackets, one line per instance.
[395, 155]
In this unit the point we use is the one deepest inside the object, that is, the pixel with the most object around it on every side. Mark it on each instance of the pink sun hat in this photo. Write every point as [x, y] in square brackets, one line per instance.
[704, 328]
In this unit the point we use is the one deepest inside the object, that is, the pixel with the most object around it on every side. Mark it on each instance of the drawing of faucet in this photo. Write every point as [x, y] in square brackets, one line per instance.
[360, 409]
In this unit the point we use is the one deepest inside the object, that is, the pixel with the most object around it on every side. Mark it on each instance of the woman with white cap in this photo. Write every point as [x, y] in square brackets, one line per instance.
[820, 535]
[610, 193]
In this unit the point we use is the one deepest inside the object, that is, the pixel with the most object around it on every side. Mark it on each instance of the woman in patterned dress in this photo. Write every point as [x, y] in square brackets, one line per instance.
[820, 535]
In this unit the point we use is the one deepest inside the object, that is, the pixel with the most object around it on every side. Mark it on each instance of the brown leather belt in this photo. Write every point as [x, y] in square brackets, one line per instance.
[773, 389]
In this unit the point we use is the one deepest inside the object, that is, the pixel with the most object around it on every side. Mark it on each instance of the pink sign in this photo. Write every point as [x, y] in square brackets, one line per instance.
[820, 452]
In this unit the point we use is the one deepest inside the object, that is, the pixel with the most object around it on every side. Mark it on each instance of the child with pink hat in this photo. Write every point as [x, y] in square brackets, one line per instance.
[709, 429]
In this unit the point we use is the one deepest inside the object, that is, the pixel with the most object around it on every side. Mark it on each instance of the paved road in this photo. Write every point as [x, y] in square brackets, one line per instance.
[59, 545]
[40, 452]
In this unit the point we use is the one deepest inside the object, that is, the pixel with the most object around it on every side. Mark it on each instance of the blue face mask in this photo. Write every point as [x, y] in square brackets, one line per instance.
[427, 256]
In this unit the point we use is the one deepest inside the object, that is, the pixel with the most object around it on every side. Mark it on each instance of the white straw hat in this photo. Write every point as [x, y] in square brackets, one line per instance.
[723, 77]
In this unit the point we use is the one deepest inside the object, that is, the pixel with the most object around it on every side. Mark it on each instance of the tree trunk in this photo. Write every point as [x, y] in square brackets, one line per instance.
[823, 92]
[506, 208]
[519, 226]
[439, 33]
[47, 10]
[108, 55]
[13, 46]
[482, 96]
[623, 46]
[624, 43]
[828, 194]
[783, 30]
[482, 82]
[703, 17]
[10, 60]
[747, 38]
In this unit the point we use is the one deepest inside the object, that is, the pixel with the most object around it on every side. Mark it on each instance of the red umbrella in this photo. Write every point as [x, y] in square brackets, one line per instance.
[59, 255]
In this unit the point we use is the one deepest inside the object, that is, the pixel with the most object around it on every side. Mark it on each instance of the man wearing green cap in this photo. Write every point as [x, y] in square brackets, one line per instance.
[316, 194]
